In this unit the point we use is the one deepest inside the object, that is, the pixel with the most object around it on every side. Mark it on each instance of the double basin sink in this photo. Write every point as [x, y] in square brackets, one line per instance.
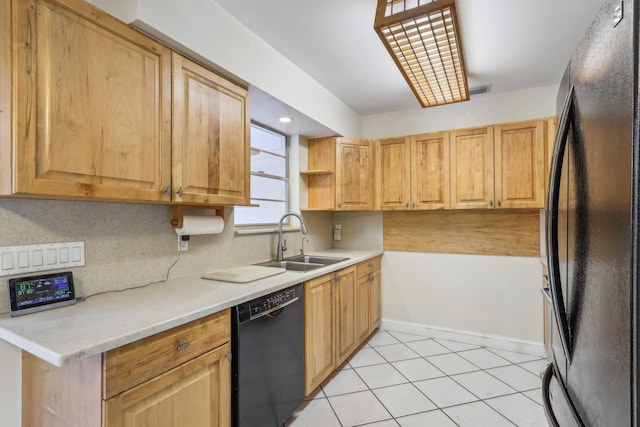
[303, 262]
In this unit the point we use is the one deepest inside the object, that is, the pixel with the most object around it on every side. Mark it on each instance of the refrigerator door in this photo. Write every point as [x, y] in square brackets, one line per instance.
[600, 241]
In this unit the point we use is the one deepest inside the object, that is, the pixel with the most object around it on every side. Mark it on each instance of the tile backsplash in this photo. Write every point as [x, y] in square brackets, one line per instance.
[129, 245]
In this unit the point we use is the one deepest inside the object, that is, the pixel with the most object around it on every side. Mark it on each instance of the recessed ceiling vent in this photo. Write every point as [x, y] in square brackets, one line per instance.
[478, 90]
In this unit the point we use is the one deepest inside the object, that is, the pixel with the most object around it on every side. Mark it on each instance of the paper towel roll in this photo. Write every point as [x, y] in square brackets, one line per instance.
[192, 225]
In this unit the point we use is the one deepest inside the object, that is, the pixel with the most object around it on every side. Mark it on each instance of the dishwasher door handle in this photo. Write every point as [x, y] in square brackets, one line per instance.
[272, 309]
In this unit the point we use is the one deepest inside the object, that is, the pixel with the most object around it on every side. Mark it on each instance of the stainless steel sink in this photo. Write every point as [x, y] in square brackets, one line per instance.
[291, 265]
[303, 262]
[316, 259]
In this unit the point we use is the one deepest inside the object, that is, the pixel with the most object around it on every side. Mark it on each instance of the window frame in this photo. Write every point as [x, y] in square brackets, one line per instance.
[266, 226]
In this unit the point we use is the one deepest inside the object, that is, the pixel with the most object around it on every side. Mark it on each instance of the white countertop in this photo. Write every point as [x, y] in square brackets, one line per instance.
[111, 320]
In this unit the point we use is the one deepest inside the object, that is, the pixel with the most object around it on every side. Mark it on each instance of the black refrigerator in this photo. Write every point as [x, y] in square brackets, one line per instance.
[592, 229]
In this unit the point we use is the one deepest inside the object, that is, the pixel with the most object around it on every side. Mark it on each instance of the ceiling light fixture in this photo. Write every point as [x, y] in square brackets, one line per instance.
[422, 37]
[285, 119]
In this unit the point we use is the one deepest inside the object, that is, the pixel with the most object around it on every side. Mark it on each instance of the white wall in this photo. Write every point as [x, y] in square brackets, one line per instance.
[491, 295]
[205, 30]
[480, 110]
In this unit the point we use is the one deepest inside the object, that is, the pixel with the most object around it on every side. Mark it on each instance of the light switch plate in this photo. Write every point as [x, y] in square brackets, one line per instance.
[48, 256]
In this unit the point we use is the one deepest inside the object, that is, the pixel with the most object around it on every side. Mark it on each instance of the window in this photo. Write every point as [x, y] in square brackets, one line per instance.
[269, 179]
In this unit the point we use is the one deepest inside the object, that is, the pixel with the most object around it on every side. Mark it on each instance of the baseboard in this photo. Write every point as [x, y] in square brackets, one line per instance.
[469, 337]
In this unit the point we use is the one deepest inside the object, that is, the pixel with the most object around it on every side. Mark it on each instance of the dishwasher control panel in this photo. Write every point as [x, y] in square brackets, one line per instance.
[267, 304]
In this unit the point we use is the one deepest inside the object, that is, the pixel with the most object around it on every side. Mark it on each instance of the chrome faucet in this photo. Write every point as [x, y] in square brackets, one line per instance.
[281, 246]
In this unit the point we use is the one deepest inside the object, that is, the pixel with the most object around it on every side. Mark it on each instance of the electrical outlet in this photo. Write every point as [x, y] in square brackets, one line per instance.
[183, 244]
[337, 232]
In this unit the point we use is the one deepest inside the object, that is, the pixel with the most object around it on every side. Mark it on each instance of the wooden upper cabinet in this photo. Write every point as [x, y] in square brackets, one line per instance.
[471, 162]
[520, 164]
[210, 136]
[354, 174]
[6, 107]
[501, 166]
[393, 179]
[413, 172]
[93, 105]
[430, 171]
[340, 174]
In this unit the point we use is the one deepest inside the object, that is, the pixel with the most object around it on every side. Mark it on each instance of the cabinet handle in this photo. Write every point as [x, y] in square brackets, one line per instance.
[183, 346]
[490, 203]
[167, 191]
[339, 205]
[336, 278]
[180, 192]
[407, 205]
[499, 203]
[413, 204]
[372, 279]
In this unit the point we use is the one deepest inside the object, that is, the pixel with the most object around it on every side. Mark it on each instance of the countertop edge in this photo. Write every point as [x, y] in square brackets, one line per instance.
[21, 332]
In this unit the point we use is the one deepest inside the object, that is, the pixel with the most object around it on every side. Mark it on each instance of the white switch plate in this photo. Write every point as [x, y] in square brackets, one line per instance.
[42, 257]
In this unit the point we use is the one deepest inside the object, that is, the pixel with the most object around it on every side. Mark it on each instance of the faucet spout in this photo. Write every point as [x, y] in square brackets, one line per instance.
[303, 229]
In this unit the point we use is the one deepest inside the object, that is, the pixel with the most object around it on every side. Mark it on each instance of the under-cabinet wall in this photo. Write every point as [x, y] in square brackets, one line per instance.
[483, 294]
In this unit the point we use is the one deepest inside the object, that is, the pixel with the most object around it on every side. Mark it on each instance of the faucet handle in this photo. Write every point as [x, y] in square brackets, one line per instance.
[284, 245]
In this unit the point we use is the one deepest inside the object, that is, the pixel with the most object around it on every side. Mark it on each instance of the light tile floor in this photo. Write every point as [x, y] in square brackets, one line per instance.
[398, 379]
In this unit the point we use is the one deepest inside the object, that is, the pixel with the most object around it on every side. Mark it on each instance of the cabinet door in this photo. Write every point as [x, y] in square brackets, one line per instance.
[196, 393]
[393, 177]
[375, 307]
[520, 164]
[210, 137]
[6, 107]
[93, 105]
[345, 314]
[362, 308]
[318, 331]
[354, 174]
[471, 155]
[430, 171]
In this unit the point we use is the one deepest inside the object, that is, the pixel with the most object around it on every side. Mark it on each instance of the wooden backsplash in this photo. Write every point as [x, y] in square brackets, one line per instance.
[482, 232]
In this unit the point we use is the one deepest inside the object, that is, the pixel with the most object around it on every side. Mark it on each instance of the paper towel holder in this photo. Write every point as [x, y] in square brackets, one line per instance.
[178, 213]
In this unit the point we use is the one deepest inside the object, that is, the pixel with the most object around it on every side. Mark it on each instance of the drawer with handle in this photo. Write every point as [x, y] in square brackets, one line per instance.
[368, 266]
[135, 363]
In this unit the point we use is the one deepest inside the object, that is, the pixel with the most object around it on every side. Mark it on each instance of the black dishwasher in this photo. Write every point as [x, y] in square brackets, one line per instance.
[268, 358]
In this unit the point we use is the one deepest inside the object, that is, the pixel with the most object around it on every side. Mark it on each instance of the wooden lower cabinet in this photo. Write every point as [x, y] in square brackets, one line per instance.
[345, 291]
[368, 309]
[177, 378]
[362, 308]
[319, 357]
[194, 394]
[341, 311]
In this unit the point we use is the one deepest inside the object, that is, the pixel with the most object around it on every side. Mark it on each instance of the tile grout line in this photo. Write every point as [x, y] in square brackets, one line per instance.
[444, 375]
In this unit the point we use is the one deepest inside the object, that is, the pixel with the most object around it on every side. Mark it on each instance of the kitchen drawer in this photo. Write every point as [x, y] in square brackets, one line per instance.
[132, 364]
[368, 266]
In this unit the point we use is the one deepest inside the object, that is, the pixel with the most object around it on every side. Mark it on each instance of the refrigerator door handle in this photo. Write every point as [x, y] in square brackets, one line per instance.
[558, 394]
[552, 224]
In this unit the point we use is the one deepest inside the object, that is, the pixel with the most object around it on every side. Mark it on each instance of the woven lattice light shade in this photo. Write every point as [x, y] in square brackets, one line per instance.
[422, 37]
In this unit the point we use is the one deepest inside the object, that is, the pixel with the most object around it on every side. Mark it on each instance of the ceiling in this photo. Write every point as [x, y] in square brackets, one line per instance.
[508, 45]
